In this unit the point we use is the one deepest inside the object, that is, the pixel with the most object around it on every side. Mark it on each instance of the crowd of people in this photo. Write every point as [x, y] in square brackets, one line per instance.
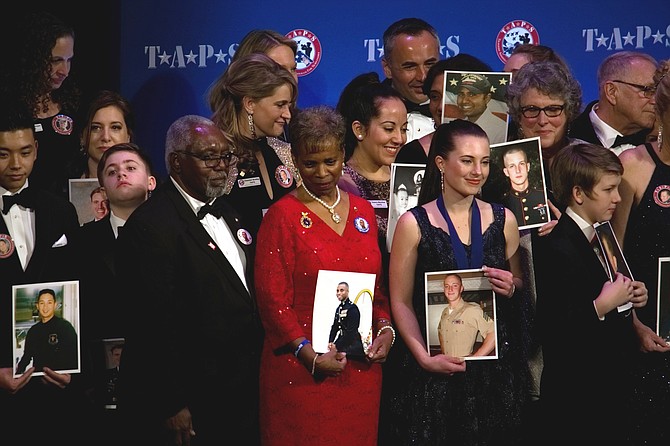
[207, 280]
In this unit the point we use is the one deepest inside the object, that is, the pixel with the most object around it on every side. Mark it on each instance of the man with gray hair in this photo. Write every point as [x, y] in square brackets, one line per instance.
[190, 365]
[623, 115]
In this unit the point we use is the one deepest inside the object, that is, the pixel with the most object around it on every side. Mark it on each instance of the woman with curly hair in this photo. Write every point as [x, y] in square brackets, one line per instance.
[39, 77]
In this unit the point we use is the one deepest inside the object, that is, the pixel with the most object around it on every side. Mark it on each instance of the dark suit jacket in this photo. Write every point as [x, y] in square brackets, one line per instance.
[193, 336]
[54, 217]
[582, 128]
[585, 360]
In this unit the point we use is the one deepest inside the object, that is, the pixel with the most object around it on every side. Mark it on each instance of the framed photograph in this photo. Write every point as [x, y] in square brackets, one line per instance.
[105, 360]
[663, 299]
[405, 187]
[80, 196]
[343, 312]
[610, 251]
[46, 327]
[461, 315]
[478, 97]
[516, 180]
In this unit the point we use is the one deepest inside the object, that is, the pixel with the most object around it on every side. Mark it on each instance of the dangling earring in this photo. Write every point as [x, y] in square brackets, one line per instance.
[441, 180]
[252, 127]
[660, 137]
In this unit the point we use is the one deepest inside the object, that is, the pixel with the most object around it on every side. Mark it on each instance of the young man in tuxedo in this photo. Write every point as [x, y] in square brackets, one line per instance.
[40, 228]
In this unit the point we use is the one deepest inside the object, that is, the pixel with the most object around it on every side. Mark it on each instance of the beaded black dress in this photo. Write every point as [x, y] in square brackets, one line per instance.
[482, 406]
[648, 238]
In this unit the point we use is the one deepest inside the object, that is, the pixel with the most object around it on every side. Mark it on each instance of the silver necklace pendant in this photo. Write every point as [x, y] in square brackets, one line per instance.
[335, 216]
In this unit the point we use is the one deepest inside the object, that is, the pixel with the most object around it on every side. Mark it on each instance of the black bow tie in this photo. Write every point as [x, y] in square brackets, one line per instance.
[23, 198]
[635, 139]
[215, 209]
[413, 107]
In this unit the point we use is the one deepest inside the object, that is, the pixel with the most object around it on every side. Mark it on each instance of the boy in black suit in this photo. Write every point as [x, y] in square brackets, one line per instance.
[40, 228]
[587, 342]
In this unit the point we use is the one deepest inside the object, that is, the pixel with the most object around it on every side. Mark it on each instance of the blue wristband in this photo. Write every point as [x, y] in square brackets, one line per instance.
[300, 346]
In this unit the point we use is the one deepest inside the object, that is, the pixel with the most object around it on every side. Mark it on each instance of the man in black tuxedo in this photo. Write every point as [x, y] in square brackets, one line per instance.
[190, 365]
[624, 114]
[39, 228]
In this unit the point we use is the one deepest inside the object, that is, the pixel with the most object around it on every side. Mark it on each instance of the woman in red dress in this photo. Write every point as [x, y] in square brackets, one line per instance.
[310, 398]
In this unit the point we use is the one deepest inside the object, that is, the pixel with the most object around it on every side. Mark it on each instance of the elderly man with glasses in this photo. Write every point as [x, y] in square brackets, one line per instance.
[623, 116]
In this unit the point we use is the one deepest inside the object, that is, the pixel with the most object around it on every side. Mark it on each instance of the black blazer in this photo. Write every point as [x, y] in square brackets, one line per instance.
[582, 128]
[193, 334]
[55, 217]
[586, 360]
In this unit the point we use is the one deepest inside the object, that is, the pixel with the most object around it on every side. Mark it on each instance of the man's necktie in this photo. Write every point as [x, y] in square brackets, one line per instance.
[215, 209]
[24, 198]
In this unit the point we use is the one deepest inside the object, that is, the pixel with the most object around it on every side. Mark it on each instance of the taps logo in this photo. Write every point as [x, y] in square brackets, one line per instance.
[309, 51]
[615, 39]
[513, 34]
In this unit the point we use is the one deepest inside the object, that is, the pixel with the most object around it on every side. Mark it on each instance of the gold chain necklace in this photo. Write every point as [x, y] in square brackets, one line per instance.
[334, 215]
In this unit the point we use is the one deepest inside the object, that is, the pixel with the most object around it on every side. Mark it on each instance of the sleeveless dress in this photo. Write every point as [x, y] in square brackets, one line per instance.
[481, 406]
[648, 238]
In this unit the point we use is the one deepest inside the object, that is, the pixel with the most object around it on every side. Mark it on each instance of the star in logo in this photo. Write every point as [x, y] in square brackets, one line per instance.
[221, 56]
[165, 58]
[658, 37]
[191, 58]
[602, 40]
[628, 39]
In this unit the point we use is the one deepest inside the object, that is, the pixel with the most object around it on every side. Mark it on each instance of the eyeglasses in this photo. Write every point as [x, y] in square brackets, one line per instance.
[211, 161]
[551, 111]
[646, 90]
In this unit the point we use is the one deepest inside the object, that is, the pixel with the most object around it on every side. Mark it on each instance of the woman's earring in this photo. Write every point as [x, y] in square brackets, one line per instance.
[441, 180]
[252, 127]
[660, 137]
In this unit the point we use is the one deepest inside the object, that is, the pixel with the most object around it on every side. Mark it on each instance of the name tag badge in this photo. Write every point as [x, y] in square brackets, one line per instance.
[248, 182]
[379, 204]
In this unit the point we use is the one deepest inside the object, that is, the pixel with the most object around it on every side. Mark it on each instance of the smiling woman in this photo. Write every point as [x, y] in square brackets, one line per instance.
[376, 128]
[252, 102]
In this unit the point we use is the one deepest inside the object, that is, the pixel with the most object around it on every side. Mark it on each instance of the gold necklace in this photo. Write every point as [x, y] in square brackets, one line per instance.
[334, 215]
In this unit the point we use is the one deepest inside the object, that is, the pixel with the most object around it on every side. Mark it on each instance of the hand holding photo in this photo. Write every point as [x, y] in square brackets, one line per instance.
[611, 252]
[342, 316]
[461, 315]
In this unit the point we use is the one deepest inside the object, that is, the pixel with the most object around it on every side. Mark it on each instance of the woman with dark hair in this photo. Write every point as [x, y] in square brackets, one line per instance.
[109, 121]
[252, 102]
[434, 399]
[376, 127]
[307, 397]
[38, 75]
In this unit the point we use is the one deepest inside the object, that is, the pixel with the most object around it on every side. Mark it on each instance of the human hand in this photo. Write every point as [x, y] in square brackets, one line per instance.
[331, 363]
[381, 346]
[649, 341]
[60, 380]
[502, 281]
[11, 384]
[640, 294]
[179, 428]
[546, 228]
[445, 364]
[614, 294]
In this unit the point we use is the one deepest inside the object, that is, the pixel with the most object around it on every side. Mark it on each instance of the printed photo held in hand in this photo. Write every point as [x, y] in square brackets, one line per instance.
[461, 315]
[663, 299]
[405, 187]
[46, 327]
[611, 252]
[342, 315]
[478, 97]
[517, 181]
[80, 190]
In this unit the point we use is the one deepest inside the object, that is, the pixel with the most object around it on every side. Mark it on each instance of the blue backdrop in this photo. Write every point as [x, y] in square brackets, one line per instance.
[172, 51]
